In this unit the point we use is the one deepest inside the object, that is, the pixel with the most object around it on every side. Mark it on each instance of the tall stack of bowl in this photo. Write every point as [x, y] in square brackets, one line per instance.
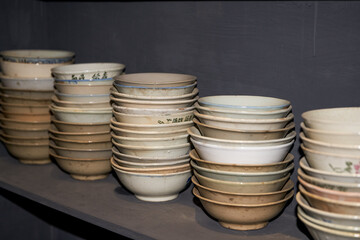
[329, 174]
[241, 159]
[152, 112]
[27, 86]
[80, 133]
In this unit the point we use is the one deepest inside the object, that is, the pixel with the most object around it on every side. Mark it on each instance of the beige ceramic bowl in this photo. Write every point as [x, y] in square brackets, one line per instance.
[80, 97]
[37, 94]
[162, 164]
[21, 139]
[21, 100]
[26, 83]
[169, 141]
[331, 137]
[81, 127]
[13, 123]
[331, 205]
[243, 216]
[25, 132]
[84, 169]
[79, 144]
[329, 193]
[242, 187]
[81, 115]
[242, 198]
[27, 117]
[83, 89]
[249, 135]
[25, 108]
[151, 111]
[146, 134]
[81, 153]
[82, 136]
[75, 104]
[29, 153]
[242, 167]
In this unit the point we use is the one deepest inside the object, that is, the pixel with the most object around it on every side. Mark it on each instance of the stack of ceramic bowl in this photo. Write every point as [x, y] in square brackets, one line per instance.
[152, 112]
[27, 87]
[329, 174]
[80, 133]
[241, 160]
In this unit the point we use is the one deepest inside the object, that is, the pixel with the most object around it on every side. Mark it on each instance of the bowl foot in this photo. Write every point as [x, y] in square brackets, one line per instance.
[35, 161]
[157, 198]
[89, 178]
[236, 226]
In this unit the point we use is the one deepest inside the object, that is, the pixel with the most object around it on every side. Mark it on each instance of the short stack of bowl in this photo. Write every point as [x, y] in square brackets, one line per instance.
[241, 160]
[329, 174]
[152, 112]
[26, 90]
[80, 138]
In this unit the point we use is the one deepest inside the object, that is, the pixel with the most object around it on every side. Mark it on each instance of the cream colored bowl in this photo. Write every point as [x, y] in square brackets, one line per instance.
[81, 115]
[81, 144]
[82, 136]
[82, 98]
[151, 111]
[152, 127]
[26, 140]
[37, 94]
[81, 127]
[162, 164]
[81, 153]
[26, 83]
[27, 117]
[25, 108]
[134, 141]
[83, 89]
[13, 123]
[23, 101]
[25, 132]
[75, 104]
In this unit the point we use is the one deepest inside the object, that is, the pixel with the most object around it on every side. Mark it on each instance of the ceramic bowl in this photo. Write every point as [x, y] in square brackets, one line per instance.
[147, 134]
[162, 164]
[344, 120]
[23, 101]
[154, 187]
[242, 167]
[241, 155]
[83, 98]
[83, 169]
[331, 137]
[33, 63]
[243, 114]
[152, 127]
[80, 127]
[35, 83]
[37, 94]
[137, 159]
[88, 71]
[27, 117]
[330, 184]
[325, 216]
[13, 123]
[330, 205]
[81, 115]
[83, 88]
[242, 176]
[82, 136]
[248, 135]
[336, 163]
[75, 104]
[81, 153]
[191, 95]
[28, 153]
[196, 135]
[154, 104]
[171, 151]
[319, 232]
[331, 148]
[245, 124]
[155, 90]
[241, 187]
[25, 132]
[106, 81]
[150, 111]
[21, 139]
[154, 119]
[327, 175]
[147, 142]
[328, 193]
[243, 102]
[242, 198]
[79, 144]
[243, 216]
[25, 108]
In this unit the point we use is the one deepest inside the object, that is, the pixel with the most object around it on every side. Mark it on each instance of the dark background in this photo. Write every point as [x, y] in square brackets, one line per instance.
[305, 51]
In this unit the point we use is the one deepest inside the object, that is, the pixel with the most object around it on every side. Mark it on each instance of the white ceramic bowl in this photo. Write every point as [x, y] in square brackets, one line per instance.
[35, 83]
[150, 111]
[233, 134]
[23, 101]
[242, 155]
[75, 104]
[329, 162]
[196, 135]
[81, 115]
[146, 142]
[81, 153]
[83, 98]
[88, 71]
[327, 175]
[154, 187]
[243, 102]
[152, 127]
[331, 148]
[25, 108]
[83, 89]
[162, 164]
[33, 63]
[243, 114]
[244, 124]
[154, 90]
[334, 119]
[80, 127]
[37, 94]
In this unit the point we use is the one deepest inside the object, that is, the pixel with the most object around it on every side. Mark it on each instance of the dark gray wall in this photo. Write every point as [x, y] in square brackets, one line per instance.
[307, 52]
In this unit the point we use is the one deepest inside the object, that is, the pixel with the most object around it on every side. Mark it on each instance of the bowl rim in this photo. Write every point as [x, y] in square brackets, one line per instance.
[57, 121]
[318, 131]
[54, 108]
[21, 137]
[327, 153]
[23, 105]
[52, 137]
[152, 115]
[81, 85]
[153, 125]
[326, 144]
[117, 94]
[3, 118]
[13, 54]
[154, 87]
[23, 98]
[23, 144]
[138, 78]
[147, 164]
[149, 102]
[55, 99]
[57, 93]
[24, 129]
[53, 154]
[146, 132]
[53, 145]
[304, 115]
[155, 110]
[114, 136]
[117, 152]
[25, 90]
[133, 147]
[84, 68]
[55, 131]
[22, 78]
[127, 169]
